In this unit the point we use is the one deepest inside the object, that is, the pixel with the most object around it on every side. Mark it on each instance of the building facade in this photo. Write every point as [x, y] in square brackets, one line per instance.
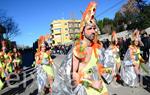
[64, 31]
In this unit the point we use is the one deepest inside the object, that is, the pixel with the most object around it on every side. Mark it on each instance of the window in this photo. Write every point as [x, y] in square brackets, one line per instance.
[52, 31]
[70, 30]
[77, 30]
[58, 34]
[57, 29]
[52, 36]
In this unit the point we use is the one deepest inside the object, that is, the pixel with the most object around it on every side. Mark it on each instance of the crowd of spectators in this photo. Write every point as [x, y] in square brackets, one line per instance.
[124, 43]
[61, 49]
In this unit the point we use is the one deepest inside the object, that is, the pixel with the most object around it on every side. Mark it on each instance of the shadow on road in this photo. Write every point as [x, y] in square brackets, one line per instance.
[146, 83]
[53, 56]
[35, 92]
[18, 89]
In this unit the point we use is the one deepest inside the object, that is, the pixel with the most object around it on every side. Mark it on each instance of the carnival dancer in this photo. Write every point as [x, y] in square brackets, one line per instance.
[7, 61]
[130, 69]
[85, 66]
[112, 59]
[44, 62]
[16, 60]
[79, 73]
[1, 70]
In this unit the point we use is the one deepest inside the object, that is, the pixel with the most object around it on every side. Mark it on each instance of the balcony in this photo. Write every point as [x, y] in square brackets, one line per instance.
[73, 24]
[74, 30]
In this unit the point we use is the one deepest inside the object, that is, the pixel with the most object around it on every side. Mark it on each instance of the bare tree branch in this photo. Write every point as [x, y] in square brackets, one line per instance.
[9, 24]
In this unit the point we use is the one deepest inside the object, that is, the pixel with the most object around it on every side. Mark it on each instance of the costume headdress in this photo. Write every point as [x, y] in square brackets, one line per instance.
[113, 36]
[41, 41]
[88, 16]
[87, 19]
[136, 36]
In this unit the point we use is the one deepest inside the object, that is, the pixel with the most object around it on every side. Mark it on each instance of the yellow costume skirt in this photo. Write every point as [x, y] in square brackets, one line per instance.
[137, 62]
[48, 69]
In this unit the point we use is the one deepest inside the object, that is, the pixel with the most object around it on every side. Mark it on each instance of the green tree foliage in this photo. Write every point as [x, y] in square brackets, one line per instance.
[145, 17]
[133, 14]
[106, 25]
[136, 13]
[100, 24]
[119, 22]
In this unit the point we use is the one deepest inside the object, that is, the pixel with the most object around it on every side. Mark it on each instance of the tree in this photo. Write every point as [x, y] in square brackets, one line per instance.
[136, 13]
[107, 21]
[133, 14]
[100, 24]
[2, 31]
[11, 28]
[119, 22]
[108, 25]
[118, 19]
[145, 17]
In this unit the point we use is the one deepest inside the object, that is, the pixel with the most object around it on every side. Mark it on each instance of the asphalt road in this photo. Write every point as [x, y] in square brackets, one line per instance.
[26, 84]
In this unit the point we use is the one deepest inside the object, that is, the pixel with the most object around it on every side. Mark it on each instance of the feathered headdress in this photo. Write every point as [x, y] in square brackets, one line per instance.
[136, 36]
[88, 16]
[41, 41]
[87, 19]
[113, 36]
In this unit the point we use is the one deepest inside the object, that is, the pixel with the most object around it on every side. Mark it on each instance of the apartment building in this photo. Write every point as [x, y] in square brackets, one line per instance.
[64, 31]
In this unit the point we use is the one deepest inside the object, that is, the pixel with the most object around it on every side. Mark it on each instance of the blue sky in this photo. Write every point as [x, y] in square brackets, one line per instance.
[34, 16]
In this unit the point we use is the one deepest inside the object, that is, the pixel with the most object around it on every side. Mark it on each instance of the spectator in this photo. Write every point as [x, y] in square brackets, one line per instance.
[145, 41]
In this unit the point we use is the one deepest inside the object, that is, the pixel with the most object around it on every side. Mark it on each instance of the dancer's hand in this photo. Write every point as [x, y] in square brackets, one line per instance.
[76, 78]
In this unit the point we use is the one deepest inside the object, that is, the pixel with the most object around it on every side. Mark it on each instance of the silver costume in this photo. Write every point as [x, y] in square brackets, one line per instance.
[62, 82]
[127, 72]
[41, 78]
[110, 62]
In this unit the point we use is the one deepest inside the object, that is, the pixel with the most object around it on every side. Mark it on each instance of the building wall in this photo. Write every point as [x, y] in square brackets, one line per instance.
[63, 29]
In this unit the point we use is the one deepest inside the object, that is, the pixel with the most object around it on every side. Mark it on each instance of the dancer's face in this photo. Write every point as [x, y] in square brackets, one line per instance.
[116, 42]
[4, 49]
[14, 49]
[136, 42]
[43, 48]
[89, 32]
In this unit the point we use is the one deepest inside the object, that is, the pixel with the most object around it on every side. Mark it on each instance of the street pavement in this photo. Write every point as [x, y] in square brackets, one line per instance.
[26, 84]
